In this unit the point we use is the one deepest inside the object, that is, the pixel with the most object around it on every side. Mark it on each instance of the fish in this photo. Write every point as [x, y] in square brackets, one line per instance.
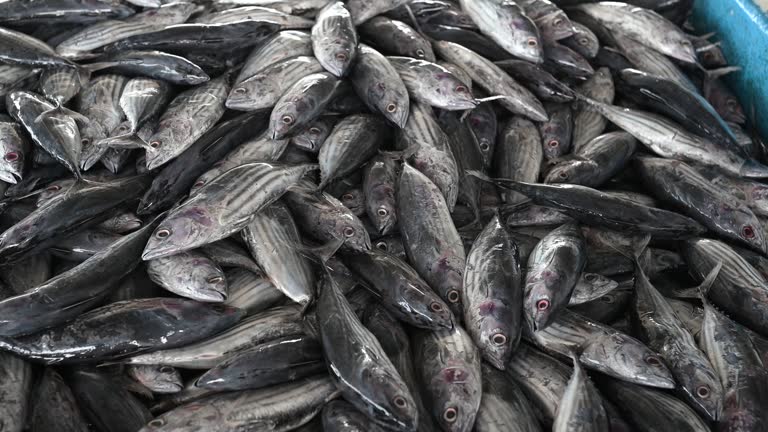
[358, 364]
[541, 378]
[339, 415]
[24, 50]
[53, 406]
[301, 104]
[363, 10]
[492, 294]
[583, 40]
[508, 25]
[105, 403]
[433, 84]
[83, 245]
[152, 64]
[313, 137]
[556, 132]
[159, 379]
[334, 39]
[449, 370]
[379, 86]
[255, 13]
[16, 151]
[587, 122]
[561, 60]
[353, 140]
[581, 407]
[538, 80]
[282, 46]
[263, 89]
[504, 406]
[596, 161]
[250, 291]
[553, 270]
[394, 37]
[379, 184]
[189, 274]
[217, 211]
[99, 102]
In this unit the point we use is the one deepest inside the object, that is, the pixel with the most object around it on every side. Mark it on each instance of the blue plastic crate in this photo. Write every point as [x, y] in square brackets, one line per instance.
[742, 26]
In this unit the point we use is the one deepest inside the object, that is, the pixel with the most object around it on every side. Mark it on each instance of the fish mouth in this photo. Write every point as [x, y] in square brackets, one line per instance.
[212, 296]
[12, 177]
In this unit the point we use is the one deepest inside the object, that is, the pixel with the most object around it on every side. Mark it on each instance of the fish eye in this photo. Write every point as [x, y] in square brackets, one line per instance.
[606, 299]
[198, 184]
[85, 141]
[453, 296]
[590, 277]
[703, 391]
[450, 414]
[532, 42]
[341, 57]
[420, 52]
[653, 361]
[53, 188]
[167, 369]
[287, 119]
[748, 232]
[542, 304]
[391, 108]
[347, 196]
[558, 22]
[155, 144]
[163, 233]
[563, 175]
[156, 422]
[382, 245]
[11, 157]
[399, 401]
[484, 146]
[241, 90]
[382, 212]
[314, 131]
[349, 232]
[583, 41]
[122, 128]
[436, 307]
[214, 279]
[553, 143]
[461, 89]
[499, 339]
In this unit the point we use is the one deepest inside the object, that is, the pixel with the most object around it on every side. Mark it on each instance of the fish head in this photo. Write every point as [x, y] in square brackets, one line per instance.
[455, 93]
[426, 306]
[555, 25]
[525, 37]
[207, 278]
[53, 190]
[195, 416]
[497, 336]
[12, 165]
[575, 171]
[314, 136]
[284, 117]
[337, 55]
[169, 135]
[599, 282]
[624, 356]
[353, 234]
[186, 228]
[541, 304]
[385, 217]
[742, 224]
[390, 400]
[161, 379]
[452, 398]
[702, 388]
[252, 93]
[554, 140]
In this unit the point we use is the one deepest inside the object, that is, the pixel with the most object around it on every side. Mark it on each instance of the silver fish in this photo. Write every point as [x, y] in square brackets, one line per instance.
[157, 378]
[334, 39]
[506, 23]
[363, 10]
[303, 102]
[379, 85]
[519, 155]
[379, 183]
[587, 122]
[396, 38]
[353, 141]
[256, 13]
[264, 88]
[15, 151]
[503, 407]
[251, 292]
[189, 274]
[433, 84]
[581, 408]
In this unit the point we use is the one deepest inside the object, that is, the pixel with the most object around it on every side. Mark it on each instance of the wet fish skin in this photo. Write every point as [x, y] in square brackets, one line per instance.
[29, 273]
[54, 407]
[595, 162]
[542, 379]
[359, 366]
[229, 253]
[212, 215]
[15, 150]
[379, 183]
[556, 132]
[341, 416]
[494, 80]
[255, 13]
[189, 274]
[503, 406]
[363, 10]
[519, 155]
[153, 64]
[250, 291]
[583, 41]
[334, 39]
[134, 325]
[678, 184]
[554, 268]
[106, 404]
[313, 136]
[395, 37]
[83, 245]
[581, 408]
[659, 327]
[274, 241]
[468, 38]
[99, 101]
[352, 142]
[587, 123]
[484, 124]
[279, 408]
[492, 294]
[283, 45]
[538, 80]
[448, 368]
[400, 289]
[751, 192]
[506, 23]
[275, 362]
[603, 349]
[326, 219]
[432, 243]
[590, 287]
[433, 84]
[301, 104]
[141, 100]
[529, 215]
[21, 49]
[157, 378]
[263, 89]
[379, 85]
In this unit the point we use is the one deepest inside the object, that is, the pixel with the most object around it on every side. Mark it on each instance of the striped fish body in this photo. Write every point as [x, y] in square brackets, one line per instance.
[596, 162]
[256, 13]
[251, 292]
[430, 151]
[603, 349]
[263, 89]
[334, 39]
[229, 253]
[282, 46]
[274, 241]
[581, 408]
[79, 45]
[492, 295]
[740, 290]
[519, 156]
[518, 100]
[432, 243]
[432, 84]
[752, 192]
[379, 86]
[504, 407]
[301, 104]
[588, 123]
[62, 84]
[143, 99]
[17, 48]
[265, 326]
[279, 408]
[16, 150]
[189, 115]
[653, 62]
[542, 378]
[379, 183]
[448, 367]
[552, 22]
[99, 101]
[506, 23]
[340, 415]
[364, 10]
[397, 38]
[352, 142]
[680, 185]
[359, 365]
[16, 387]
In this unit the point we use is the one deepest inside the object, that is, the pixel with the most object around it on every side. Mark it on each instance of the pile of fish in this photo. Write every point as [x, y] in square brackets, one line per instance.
[377, 215]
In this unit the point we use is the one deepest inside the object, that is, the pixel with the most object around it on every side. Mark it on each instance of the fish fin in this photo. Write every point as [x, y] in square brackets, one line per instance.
[321, 253]
[751, 168]
[401, 154]
[708, 281]
[93, 67]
